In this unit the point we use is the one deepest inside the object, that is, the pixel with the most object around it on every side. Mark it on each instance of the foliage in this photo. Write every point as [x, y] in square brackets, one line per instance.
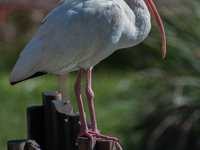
[147, 102]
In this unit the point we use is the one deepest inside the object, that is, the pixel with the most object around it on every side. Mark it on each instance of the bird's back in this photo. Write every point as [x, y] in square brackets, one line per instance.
[78, 34]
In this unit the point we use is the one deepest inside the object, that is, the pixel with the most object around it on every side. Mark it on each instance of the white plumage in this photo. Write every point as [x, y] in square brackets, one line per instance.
[78, 35]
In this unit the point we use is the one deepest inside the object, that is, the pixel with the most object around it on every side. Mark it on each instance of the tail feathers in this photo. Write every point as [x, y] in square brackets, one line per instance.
[33, 76]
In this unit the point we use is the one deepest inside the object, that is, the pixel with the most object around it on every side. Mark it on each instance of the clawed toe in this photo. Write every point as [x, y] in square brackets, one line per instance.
[90, 134]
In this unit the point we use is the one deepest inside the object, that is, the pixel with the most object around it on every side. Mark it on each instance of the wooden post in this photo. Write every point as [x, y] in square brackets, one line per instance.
[53, 129]
[84, 143]
[17, 145]
[67, 134]
[32, 145]
[60, 109]
[74, 127]
[35, 124]
[102, 144]
[49, 133]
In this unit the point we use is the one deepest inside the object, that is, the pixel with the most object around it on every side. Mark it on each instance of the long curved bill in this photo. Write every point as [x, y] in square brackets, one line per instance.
[156, 16]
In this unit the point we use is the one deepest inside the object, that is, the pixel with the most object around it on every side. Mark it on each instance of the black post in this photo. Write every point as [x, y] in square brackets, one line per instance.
[102, 144]
[17, 145]
[48, 117]
[74, 129]
[35, 124]
[60, 109]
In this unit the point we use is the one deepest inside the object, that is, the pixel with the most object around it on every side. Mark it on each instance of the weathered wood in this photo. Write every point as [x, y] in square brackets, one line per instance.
[84, 143]
[17, 145]
[102, 144]
[48, 117]
[74, 129]
[62, 106]
[67, 135]
[35, 124]
[60, 109]
[32, 145]
[53, 128]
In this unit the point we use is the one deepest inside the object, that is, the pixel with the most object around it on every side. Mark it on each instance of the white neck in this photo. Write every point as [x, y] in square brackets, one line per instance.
[138, 24]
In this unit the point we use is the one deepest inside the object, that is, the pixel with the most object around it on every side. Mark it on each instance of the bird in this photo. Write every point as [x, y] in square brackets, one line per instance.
[77, 35]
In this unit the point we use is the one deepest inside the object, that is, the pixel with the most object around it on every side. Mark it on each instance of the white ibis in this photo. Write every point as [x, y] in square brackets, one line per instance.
[79, 34]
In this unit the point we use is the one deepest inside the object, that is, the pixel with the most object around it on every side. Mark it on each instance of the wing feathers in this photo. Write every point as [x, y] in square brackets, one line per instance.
[78, 34]
[33, 76]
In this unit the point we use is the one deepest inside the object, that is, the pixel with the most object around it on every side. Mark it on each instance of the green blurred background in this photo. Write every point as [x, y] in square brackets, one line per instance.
[146, 102]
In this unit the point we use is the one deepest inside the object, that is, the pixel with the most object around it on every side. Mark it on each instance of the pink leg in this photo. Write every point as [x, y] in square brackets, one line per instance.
[84, 129]
[90, 96]
[77, 89]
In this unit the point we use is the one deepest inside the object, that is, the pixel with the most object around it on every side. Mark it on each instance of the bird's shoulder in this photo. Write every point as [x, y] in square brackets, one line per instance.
[85, 10]
[83, 19]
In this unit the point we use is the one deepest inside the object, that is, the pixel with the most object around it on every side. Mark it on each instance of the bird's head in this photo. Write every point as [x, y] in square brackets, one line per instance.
[155, 15]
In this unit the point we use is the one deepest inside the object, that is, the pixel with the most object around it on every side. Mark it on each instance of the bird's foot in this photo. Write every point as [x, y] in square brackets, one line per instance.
[90, 134]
